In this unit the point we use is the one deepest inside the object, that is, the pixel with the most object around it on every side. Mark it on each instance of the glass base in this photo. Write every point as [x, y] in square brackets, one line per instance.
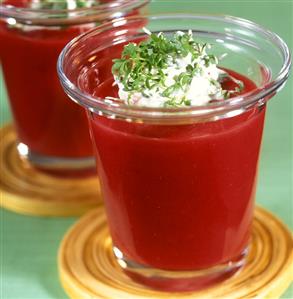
[179, 281]
[65, 167]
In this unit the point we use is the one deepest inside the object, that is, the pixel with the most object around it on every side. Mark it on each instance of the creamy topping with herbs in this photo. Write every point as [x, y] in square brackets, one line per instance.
[162, 72]
[67, 5]
[61, 4]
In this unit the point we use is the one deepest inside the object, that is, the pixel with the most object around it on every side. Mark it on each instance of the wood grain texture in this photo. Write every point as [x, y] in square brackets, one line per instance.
[26, 190]
[88, 270]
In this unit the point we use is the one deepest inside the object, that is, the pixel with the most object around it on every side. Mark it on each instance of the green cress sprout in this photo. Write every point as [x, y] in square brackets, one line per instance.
[66, 5]
[62, 4]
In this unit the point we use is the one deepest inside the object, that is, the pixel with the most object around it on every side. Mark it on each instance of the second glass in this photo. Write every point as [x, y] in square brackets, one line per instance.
[52, 131]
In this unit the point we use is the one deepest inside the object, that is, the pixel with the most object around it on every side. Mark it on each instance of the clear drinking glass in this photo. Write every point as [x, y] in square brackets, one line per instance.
[52, 131]
[178, 183]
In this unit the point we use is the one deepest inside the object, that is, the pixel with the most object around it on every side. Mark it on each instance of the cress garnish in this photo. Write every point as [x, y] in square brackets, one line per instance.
[68, 6]
[170, 72]
[62, 4]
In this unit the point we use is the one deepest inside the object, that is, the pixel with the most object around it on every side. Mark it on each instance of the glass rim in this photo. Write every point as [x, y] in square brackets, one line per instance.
[211, 111]
[51, 17]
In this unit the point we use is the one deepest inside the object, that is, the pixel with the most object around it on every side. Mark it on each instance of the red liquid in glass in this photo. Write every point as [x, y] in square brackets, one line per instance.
[46, 120]
[178, 197]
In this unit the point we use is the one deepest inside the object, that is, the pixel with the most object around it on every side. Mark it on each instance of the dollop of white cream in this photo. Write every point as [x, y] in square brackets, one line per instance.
[203, 88]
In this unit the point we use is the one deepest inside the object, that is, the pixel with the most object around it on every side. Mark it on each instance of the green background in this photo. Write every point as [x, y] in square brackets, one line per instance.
[29, 244]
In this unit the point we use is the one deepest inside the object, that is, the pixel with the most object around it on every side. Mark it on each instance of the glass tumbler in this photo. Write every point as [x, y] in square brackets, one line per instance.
[178, 183]
[52, 131]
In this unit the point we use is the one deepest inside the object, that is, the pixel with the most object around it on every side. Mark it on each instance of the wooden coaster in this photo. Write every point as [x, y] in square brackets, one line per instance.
[26, 190]
[88, 269]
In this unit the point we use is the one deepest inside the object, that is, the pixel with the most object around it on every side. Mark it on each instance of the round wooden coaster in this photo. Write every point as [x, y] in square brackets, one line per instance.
[26, 190]
[88, 270]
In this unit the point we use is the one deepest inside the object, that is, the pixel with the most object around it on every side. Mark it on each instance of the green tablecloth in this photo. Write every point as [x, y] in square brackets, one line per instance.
[29, 244]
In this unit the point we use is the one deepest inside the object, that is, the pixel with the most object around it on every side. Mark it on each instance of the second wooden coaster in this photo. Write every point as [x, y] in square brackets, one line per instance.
[88, 268]
[26, 190]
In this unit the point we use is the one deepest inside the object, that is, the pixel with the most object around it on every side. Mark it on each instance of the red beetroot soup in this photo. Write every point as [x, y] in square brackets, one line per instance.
[178, 185]
[46, 121]
[180, 197]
